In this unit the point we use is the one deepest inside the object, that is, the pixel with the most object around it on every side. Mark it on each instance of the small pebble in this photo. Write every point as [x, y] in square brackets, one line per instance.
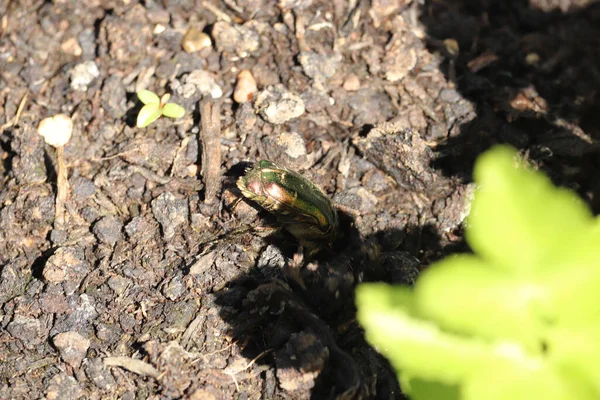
[319, 67]
[203, 264]
[27, 329]
[201, 81]
[203, 394]
[271, 261]
[293, 144]
[64, 264]
[532, 58]
[288, 149]
[99, 374]
[352, 83]
[71, 47]
[83, 74]
[398, 62]
[287, 5]
[384, 8]
[277, 105]
[245, 87]
[83, 188]
[108, 229]
[54, 272]
[245, 117]
[159, 16]
[118, 284]
[87, 41]
[240, 39]
[158, 29]
[195, 40]
[174, 289]
[170, 212]
[63, 386]
[191, 170]
[114, 98]
[72, 347]
[449, 96]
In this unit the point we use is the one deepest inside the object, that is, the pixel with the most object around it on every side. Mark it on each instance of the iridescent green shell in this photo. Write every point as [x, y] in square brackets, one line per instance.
[303, 208]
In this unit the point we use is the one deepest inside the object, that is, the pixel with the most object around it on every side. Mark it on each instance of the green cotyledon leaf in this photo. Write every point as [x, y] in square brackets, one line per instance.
[148, 97]
[173, 110]
[148, 114]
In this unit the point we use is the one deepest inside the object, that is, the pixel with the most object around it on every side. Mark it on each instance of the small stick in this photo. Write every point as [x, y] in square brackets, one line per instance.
[62, 186]
[218, 13]
[15, 119]
[210, 136]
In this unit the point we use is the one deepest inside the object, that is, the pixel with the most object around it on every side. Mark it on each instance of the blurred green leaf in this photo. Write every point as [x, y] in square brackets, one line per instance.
[577, 350]
[518, 219]
[420, 347]
[516, 320]
[420, 389]
[542, 382]
[459, 292]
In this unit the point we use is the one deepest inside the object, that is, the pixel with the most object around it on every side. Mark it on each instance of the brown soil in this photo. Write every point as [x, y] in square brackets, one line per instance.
[160, 283]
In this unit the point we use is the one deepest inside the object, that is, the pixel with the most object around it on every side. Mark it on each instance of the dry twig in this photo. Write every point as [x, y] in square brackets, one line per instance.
[210, 136]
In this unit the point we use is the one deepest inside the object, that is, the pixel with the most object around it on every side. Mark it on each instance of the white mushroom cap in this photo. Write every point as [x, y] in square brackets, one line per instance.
[56, 130]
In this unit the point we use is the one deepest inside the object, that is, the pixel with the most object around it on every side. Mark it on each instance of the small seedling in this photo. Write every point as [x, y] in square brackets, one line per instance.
[57, 131]
[154, 107]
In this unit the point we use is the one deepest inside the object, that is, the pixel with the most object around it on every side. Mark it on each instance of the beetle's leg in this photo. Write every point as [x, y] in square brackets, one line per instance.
[266, 230]
[292, 269]
[235, 204]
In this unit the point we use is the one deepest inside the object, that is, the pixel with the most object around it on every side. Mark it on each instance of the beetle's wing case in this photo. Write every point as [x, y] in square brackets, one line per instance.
[298, 203]
[297, 197]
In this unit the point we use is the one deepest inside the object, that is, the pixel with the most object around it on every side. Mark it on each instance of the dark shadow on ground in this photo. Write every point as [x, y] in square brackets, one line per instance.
[303, 320]
[533, 76]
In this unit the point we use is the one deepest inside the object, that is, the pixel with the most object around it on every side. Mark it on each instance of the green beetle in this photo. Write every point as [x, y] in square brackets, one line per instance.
[304, 210]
